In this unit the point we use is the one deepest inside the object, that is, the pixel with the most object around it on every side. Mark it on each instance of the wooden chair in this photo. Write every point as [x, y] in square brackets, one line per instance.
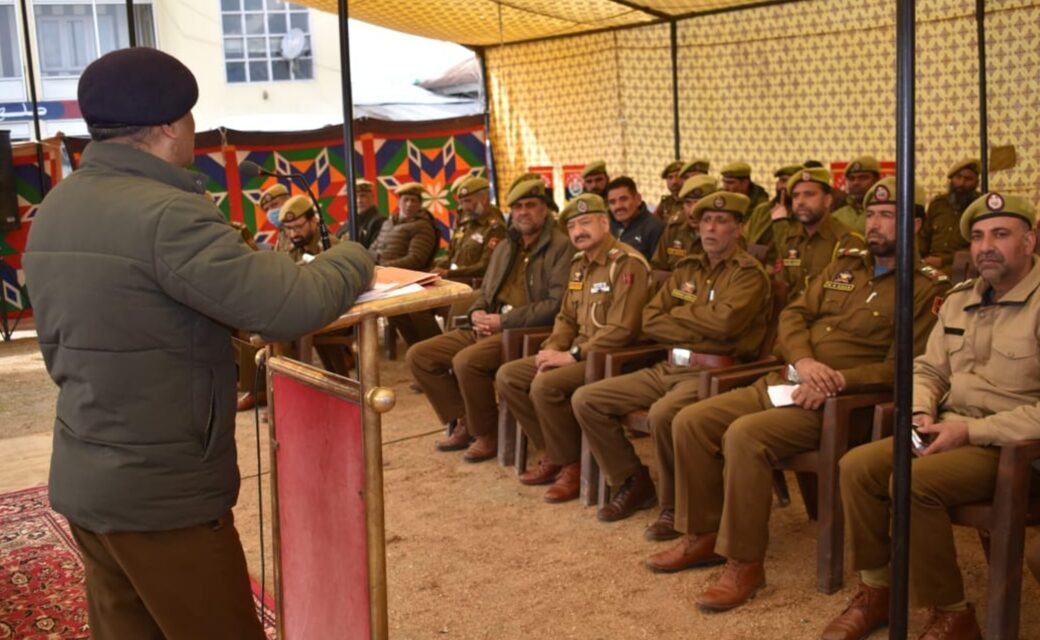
[516, 344]
[962, 267]
[1001, 525]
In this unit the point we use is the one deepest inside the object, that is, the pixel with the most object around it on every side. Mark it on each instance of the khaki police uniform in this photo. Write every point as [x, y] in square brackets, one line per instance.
[700, 309]
[602, 309]
[525, 285]
[802, 256]
[940, 230]
[474, 239]
[851, 214]
[678, 240]
[981, 366]
[725, 446]
[668, 207]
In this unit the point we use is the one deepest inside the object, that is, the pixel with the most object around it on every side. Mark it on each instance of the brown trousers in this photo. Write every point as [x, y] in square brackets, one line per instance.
[189, 584]
[456, 370]
[665, 389]
[938, 482]
[542, 405]
[725, 448]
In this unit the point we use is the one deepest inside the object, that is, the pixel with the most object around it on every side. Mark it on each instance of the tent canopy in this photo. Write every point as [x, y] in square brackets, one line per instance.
[491, 22]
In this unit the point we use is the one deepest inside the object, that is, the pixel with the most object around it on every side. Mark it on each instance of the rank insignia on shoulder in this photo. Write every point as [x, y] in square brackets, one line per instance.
[615, 253]
[842, 281]
[850, 251]
[934, 273]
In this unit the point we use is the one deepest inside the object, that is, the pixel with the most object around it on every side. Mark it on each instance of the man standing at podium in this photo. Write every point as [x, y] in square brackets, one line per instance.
[522, 287]
[136, 277]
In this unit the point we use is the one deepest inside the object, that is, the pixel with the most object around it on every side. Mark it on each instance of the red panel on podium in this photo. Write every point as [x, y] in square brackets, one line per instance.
[321, 513]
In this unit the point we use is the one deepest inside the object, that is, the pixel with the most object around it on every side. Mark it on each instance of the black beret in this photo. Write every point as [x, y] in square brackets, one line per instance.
[139, 86]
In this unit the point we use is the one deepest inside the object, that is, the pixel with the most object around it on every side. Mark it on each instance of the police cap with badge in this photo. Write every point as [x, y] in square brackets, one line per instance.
[995, 204]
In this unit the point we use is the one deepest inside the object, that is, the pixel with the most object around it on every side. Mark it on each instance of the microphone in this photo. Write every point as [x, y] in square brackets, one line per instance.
[247, 170]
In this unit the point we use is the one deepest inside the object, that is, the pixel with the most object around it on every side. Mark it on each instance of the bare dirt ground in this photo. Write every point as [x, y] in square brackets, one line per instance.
[471, 553]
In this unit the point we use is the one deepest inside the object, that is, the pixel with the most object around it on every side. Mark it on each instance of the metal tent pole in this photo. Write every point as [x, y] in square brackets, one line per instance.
[30, 75]
[980, 26]
[489, 152]
[131, 27]
[905, 42]
[348, 117]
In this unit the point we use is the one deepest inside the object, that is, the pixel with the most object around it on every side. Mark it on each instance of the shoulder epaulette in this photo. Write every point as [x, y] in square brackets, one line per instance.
[851, 252]
[934, 273]
[962, 286]
[578, 256]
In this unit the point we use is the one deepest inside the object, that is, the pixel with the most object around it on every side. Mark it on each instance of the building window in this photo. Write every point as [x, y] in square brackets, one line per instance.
[10, 56]
[72, 35]
[266, 40]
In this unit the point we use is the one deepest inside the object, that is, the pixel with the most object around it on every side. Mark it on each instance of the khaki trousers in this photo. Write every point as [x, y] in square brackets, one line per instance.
[938, 482]
[542, 405]
[189, 584]
[456, 371]
[599, 407]
[725, 448]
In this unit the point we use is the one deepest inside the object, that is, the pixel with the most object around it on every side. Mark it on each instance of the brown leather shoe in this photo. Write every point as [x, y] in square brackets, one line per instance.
[739, 582]
[867, 611]
[483, 448]
[248, 400]
[692, 551]
[544, 473]
[458, 440]
[567, 484]
[663, 528]
[635, 494]
[952, 625]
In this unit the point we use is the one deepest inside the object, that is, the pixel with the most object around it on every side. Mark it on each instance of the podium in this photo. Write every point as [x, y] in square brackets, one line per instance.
[327, 481]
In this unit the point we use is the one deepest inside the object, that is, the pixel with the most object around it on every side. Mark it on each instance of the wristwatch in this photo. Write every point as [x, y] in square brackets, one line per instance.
[575, 352]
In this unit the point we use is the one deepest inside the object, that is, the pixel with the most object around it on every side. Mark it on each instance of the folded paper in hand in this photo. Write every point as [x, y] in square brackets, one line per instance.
[780, 394]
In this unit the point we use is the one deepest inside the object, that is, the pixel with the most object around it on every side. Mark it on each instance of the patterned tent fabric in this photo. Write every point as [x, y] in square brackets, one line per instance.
[770, 87]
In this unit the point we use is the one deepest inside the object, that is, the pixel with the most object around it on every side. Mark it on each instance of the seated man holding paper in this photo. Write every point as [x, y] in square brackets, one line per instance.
[977, 386]
[522, 287]
[838, 337]
[715, 303]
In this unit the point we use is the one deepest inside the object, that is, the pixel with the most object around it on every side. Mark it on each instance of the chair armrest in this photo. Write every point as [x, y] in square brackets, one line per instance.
[837, 419]
[513, 341]
[615, 360]
[533, 341]
[884, 420]
[716, 381]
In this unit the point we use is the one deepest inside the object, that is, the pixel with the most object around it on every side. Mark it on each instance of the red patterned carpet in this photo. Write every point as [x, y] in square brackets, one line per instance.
[41, 576]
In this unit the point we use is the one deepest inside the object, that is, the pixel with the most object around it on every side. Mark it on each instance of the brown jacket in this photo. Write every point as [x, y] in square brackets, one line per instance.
[603, 306]
[545, 277]
[409, 243]
[982, 363]
[722, 310]
[678, 240]
[846, 319]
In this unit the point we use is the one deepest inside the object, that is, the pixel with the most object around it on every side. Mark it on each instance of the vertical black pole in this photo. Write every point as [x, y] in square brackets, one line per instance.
[489, 152]
[905, 42]
[348, 117]
[980, 26]
[131, 26]
[30, 75]
[674, 27]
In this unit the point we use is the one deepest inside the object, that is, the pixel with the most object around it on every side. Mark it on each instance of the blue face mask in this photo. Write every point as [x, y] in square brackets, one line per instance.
[272, 217]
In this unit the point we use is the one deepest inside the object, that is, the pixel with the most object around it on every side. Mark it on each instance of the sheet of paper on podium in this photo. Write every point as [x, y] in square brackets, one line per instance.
[391, 281]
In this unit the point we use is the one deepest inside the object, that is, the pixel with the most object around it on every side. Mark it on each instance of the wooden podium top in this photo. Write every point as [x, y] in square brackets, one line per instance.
[438, 294]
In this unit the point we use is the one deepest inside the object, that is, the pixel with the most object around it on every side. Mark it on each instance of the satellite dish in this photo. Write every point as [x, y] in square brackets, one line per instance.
[293, 44]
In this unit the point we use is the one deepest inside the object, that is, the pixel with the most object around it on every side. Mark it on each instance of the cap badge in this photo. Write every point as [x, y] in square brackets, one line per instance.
[853, 168]
[463, 192]
[719, 202]
[995, 202]
[881, 194]
[581, 206]
[806, 176]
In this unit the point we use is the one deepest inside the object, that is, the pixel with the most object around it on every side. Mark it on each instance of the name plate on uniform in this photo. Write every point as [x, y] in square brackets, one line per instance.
[674, 251]
[683, 295]
[792, 262]
[839, 286]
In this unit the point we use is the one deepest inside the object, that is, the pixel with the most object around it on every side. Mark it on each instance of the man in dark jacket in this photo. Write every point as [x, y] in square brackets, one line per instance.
[370, 218]
[630, 221]
[136, 278]
[522, 287]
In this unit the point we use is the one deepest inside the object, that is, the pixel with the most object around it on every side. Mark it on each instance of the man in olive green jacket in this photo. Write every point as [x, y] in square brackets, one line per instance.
[136, 278]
